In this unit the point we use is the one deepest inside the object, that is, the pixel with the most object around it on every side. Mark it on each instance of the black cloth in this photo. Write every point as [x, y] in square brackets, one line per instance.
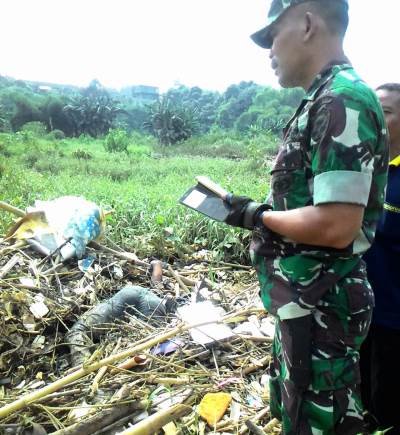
[380, 377]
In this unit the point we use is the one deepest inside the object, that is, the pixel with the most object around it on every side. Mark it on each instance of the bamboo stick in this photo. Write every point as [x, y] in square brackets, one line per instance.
[169, 381]
[254, 420]
[156, 421]
[253, 428]
[9, 265]
[87, 369]
[272, 424]
[84, 371]
[123, 255]
[254, 367]
[179, 279]
[135, 260]
[12, 209]
[104, 418]
[256, 338]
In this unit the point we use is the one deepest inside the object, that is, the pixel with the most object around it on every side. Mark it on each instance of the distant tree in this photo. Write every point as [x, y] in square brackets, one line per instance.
[132, 117]
[236, 100]
[204, 103]
[54, 116]
[93, 112]
[26, 110]
[270, 109]
[2, 118]
[20, 103]
[171, 124]
[96, 109]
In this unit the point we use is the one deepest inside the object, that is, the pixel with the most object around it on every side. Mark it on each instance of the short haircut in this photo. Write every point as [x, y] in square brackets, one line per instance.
[391, 87]
[334, 13]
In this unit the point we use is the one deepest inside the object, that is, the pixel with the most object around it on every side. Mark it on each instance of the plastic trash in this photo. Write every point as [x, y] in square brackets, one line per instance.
[66, 224]
[167, 347]
[213, 407]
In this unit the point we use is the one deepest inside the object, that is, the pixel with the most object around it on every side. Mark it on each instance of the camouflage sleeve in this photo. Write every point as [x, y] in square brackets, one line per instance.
[344, 137]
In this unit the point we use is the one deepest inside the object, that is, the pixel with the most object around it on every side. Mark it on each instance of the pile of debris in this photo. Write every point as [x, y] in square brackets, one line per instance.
[111, 344]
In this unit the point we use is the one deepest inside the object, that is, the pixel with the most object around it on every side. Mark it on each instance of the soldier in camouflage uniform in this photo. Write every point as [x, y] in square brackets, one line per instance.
[327, 191]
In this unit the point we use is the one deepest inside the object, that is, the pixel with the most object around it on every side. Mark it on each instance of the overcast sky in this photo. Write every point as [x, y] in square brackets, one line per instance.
[160, 42]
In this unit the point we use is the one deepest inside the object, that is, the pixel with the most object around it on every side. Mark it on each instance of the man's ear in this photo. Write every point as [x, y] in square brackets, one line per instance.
[310, 24]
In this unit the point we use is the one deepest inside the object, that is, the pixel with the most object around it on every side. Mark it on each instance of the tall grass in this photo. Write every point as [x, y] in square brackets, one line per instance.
[142, 187]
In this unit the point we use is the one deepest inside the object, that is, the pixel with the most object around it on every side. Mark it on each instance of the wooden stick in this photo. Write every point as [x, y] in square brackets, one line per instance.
[82, 372]
[14, 247]
[135, 260]
[137, 360]
[154, 422]
[233, 265]
[253, 428]
[99, 375]
[254, 420]
[254, 367]
[271, 425]
[90, 368]
[256, 338]
[123, 255]
[98, 421]
[12, 209]
[9, 265]
[168, 381]
[178, 278]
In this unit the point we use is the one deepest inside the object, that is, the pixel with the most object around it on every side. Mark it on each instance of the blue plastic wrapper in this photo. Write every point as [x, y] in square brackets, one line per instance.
[66, 224]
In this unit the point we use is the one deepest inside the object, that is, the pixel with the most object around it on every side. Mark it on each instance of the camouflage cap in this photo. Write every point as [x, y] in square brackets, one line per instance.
[278, 7]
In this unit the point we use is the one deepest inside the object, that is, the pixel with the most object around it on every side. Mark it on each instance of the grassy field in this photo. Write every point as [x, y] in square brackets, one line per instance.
[142, 187]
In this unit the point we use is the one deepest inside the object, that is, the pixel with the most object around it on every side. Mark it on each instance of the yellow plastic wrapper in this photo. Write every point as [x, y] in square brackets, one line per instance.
[213, 407]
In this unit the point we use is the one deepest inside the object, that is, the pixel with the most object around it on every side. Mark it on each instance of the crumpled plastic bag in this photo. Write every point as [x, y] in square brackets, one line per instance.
[67, 223]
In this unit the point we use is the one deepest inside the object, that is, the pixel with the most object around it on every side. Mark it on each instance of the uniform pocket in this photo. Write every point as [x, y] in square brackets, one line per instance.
[289, 185]
[360, 296]
[296, 345]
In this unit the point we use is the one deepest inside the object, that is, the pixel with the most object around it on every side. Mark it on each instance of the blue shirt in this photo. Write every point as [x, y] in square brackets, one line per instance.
[383, 258]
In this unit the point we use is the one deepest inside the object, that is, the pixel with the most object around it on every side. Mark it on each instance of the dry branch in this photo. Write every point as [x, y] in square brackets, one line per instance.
[12, 209]
[84, 371]
[87, 369]
[156, 421]
[102, 419]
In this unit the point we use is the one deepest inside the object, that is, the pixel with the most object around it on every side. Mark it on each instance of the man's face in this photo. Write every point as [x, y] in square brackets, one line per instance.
[390, 101]
[286, 54]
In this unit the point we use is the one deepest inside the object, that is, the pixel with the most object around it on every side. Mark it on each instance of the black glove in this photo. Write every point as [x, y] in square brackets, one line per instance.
[245, 212]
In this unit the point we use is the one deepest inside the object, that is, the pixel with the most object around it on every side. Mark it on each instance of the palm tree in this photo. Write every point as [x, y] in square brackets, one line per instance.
[171, 124]
[93, 112]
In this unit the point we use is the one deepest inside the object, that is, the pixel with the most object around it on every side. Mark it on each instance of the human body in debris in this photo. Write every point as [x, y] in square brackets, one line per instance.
[327, 191]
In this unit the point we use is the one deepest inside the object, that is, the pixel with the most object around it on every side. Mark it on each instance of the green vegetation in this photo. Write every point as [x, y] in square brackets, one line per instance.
[171, 124]
[141, 186]
[179, 114]
[116, 141]
[137, 156]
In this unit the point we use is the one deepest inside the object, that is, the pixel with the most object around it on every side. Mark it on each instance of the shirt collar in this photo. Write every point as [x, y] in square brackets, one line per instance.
[327, 73]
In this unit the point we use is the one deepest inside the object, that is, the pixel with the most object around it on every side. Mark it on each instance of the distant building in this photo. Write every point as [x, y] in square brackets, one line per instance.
[45, 87]
[142, 93]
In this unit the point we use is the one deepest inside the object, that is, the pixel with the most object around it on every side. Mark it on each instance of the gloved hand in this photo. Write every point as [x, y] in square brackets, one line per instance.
[245, 212]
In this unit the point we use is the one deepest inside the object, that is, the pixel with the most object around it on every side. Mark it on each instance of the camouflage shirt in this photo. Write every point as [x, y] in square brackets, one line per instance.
[334, 151]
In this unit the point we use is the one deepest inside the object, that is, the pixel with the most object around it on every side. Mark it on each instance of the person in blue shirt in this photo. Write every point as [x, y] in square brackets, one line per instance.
[380, 366]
